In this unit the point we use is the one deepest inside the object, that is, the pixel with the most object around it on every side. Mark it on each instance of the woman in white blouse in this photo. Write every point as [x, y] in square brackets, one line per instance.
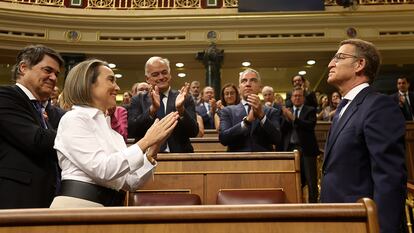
[96, 163]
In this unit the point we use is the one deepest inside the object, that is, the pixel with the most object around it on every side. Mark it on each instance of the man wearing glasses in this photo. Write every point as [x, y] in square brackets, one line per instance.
[364, 152]
[28, 172]
[158, 102]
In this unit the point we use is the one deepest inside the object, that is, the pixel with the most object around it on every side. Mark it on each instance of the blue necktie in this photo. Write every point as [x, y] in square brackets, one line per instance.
[297, 113]
[160, 115]
[161, 110]
[38, 107]
[338, 111]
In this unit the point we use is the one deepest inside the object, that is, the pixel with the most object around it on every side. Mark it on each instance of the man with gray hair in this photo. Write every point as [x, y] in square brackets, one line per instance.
[160, 100]
[249, 126]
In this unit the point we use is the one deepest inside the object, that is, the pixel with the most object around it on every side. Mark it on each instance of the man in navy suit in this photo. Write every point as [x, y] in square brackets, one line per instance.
[207, 107]
[310, 97]
[158, 102]
[299, 134]
[249, 126]
[364, 152]
[404, 98]
[28, 162]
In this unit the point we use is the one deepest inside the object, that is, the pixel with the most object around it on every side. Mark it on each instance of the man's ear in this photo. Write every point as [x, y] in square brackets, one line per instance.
[360, 65]
[23, 68]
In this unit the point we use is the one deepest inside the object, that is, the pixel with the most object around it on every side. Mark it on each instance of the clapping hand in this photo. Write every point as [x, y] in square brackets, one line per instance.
[179, 101]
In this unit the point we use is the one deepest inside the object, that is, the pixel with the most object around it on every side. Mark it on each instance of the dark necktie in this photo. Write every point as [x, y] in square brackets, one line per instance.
[160, 115]
[38, 106]
[248, 108]
[337, 112]
[407, 110]
[296, 113]
[161, 110]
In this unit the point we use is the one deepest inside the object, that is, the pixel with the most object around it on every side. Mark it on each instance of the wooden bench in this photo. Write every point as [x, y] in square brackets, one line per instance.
[205, 174]
[278, 218]
[210, 133]
[207, 144]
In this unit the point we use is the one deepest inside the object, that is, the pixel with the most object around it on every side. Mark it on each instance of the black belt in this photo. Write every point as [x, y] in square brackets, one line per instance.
[92, 192]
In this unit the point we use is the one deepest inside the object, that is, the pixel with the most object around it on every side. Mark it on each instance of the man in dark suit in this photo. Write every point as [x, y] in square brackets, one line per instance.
[158, 102]
[364, 152]
[299, 134]
[310, 97]
[28, 162]
[207, 107]
[249, 126]
[404, 98]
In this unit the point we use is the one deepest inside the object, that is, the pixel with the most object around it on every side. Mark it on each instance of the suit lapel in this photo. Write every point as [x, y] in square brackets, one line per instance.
[345, 118]
[29, 104]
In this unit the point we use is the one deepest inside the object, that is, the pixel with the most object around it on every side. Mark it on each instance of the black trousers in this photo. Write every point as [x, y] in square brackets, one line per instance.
[308, 173]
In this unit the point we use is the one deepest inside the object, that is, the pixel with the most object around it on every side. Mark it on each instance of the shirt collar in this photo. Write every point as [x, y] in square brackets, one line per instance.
[30, 95]
[299, 108]
[354, 91]
[165, 93]
[403, 93]
[91, 111]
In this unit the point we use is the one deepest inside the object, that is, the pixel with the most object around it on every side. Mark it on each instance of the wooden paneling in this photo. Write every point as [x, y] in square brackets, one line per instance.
[205, 173]
[286, 218]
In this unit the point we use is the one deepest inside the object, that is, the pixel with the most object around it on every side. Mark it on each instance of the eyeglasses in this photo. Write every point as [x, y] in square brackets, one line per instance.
[342, 56]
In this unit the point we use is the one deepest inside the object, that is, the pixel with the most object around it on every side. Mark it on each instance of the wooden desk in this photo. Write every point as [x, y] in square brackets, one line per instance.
[285, 218]
[207, 144]
[205, 173]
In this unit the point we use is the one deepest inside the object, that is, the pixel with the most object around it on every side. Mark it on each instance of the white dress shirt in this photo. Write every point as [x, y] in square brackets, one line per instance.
[352, 94]
[89, 150]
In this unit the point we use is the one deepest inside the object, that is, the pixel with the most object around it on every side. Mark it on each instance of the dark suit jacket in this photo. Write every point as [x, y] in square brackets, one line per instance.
[253, 138]
[310, 99]
[305, 128]
[396, 97]
[27, 158]
[139, 121]
[208, 121]
[365, 157]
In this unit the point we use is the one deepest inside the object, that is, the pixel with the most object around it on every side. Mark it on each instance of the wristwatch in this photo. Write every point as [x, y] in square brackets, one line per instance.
[246, 122]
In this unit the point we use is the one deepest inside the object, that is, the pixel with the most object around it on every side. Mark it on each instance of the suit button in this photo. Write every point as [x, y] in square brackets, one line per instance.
[324, 172]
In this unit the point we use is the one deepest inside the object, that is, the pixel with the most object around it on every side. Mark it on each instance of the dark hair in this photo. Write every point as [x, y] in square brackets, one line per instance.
[223, 101]
[32, 55]
[301, 77]
[403, 76]
[370, 53]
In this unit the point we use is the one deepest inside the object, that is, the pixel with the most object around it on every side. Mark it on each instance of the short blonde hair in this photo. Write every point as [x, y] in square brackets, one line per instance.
[79, 82]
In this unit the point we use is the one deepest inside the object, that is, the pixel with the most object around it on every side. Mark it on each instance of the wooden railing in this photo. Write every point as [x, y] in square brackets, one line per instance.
[287, 218]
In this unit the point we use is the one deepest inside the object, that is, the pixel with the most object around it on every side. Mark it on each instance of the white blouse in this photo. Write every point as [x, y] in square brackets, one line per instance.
[89, 150]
